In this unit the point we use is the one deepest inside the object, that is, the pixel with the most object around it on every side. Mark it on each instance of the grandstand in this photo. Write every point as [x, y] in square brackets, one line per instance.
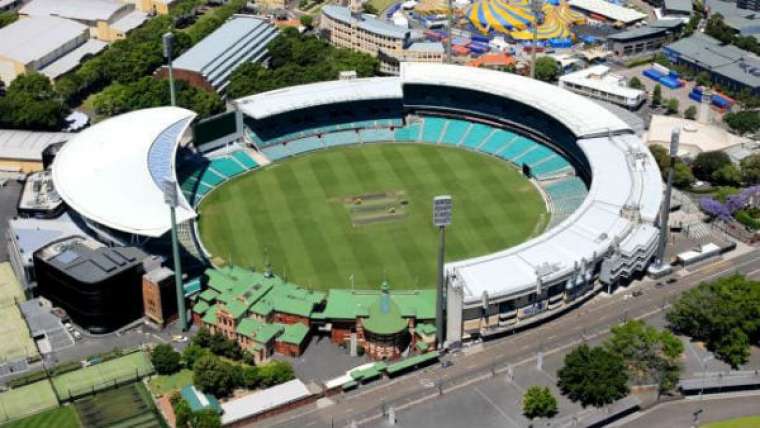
[600, 229]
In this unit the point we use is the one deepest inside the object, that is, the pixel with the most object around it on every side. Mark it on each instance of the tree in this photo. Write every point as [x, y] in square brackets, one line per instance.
[547, 69]
[743, 122]
[202, 338]
[538, 402]
[274, 373]
[683, 178]
[593, 376]
[31, 103]
[724, 313]
[750, 169]
[165, 359]
[690, 113]
[649, 354]
[727, 175]
[7, 18]
[182, 413]
[707, 163]
[369, 8]
[306, 20]
[662, 158]
[703, 79]
[192, 353]
[635, 83]
[672, 106]
[220, 345]
[215, 376]
[251, 377]
[657, 95]
[207, 418]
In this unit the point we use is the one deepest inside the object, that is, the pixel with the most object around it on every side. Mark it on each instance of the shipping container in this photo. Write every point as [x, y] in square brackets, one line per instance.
[661, 69]
[670, 82]
[652, 74]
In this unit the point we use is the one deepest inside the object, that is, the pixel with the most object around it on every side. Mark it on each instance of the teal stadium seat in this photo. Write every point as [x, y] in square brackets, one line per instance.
[432, 128]
[535, 155]
[276, 152]
[376, 135]
[244, 159]
[477, 134]
[455, 131]
[304, 145]
[516, 148]
[340, 138]
[226, 166]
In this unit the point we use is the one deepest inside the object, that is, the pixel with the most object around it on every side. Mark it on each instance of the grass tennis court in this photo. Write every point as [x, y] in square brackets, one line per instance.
[366, 211]
[162, 384]
[15, 341]
[62, 417]
[126, 406]
[27, 400]
[102, 375]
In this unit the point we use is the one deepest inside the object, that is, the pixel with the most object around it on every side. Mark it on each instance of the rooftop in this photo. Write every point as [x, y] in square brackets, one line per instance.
[27, 145]
[683, 6]
[31, 39]
[72, 59]
[598, 77]
[611, 11]
[113, 172]
[198, 400]
[638, 33]
[384, 315]
[261, 401]
[726, 60]
[365, 22]
[85, 10]
[350, 304]
[745, 21]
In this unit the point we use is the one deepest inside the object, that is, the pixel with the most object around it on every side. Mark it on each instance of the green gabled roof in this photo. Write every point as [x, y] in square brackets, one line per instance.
[422, 346]
[198, 401]
[227, 297]
[248, 327]
[209, 295]
[201, 307]
[292, 306]
[294, 333]
[210, 316]
[267, 332]
[237, 309]
[426, 329]
[384, 315]
[263, 307]
[350, 304]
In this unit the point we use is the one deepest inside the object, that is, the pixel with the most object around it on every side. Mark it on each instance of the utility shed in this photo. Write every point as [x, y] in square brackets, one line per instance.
[208, 64]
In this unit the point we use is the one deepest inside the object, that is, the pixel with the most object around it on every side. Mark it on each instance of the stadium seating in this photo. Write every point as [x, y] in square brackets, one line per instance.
[515, 148]
[565, 196]
[455, 130]
[476, 134]
[340, 138]
[244, 159]
[304, 145]
[494, 145]
[226, 167]
[535, 155]
[551, 167]
[431, 129]
[276, 152]
[375, 135]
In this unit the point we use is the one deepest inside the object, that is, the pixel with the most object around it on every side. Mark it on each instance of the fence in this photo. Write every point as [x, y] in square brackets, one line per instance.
[71, 394]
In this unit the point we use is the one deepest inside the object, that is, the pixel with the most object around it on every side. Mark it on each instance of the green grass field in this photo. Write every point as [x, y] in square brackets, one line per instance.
[62, 417]
[128, 406]
[302, 211]
[27, 400]
[747, 422]
[103, 375]
[162, 384]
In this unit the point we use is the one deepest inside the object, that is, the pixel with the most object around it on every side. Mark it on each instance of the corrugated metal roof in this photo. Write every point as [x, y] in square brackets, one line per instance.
[27, 145]
[72, 59]
[638, 33]
[426, 47]
[31, 39]
[726, 60]
[130, 21]
[261, 401]
[86, 10]
[609, 10]
[679, 5]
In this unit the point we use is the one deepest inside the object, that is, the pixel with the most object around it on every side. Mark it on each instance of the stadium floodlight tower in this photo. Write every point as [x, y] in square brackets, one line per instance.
[171, 198]
[441, 218]
[535, 7]
[660, 268]
[168, 39]
[451, 27]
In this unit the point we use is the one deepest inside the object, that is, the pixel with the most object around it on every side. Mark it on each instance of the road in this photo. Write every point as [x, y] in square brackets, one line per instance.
[584, 323]
[679, 414]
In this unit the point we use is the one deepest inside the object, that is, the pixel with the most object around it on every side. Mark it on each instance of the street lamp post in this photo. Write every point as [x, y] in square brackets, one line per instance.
[660, 267]
[168, 39]
[535, 7]
[441, 218]
[171, 199]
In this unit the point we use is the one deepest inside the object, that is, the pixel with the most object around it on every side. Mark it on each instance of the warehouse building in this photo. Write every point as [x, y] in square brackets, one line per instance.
[107, 20]
[682, 8]
[643, 40]
[728, 65]
[37, 43]
[209, 64]
[390, 43]
[22, 151]
[745, 21]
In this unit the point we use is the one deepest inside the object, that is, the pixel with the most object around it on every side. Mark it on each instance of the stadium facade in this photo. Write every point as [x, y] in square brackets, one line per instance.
[599, 181]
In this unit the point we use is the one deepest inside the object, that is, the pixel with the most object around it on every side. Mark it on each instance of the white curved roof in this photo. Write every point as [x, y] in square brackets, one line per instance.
[317, 94]
[580, 115]
[112, 172]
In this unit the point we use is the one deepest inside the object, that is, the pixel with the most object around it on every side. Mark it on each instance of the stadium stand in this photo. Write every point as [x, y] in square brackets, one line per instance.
[198, 175]
[565, 196]
[455, 130]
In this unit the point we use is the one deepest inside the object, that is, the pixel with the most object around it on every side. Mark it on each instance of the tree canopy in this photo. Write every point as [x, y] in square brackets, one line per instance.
[707, 163]
[31, 103]
[297, 59]
[724, 313]
[215, 376]
[538, 402]
[690, 112]
[750, 169]
[151, 92]
[743, 122]
[547, 69]
[593, 376]
[650, 355]
[165, 359]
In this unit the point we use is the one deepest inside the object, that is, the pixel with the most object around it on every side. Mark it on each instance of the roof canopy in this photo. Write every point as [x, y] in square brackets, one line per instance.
[112, 172]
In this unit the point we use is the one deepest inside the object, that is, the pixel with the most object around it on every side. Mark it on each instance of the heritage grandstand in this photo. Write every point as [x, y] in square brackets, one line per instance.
[600, 183]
